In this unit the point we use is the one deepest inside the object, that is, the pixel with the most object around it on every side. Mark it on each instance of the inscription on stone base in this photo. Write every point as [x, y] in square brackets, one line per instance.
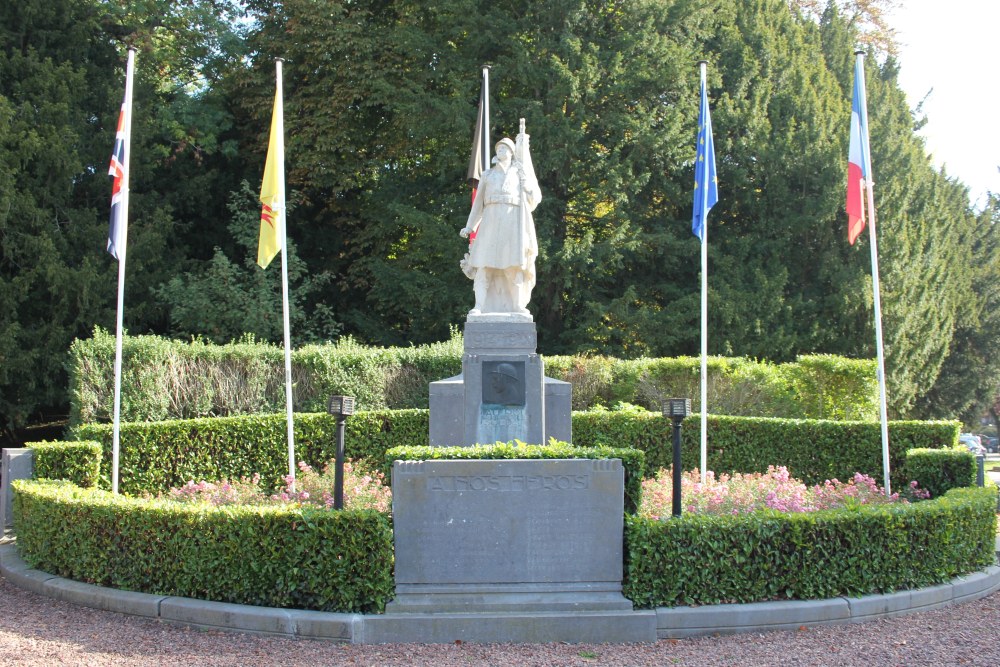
[534, 532]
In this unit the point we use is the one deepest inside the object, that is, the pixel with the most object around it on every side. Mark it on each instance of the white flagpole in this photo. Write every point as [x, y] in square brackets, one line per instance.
[122, 251]
[282, 217]
[704, 315]
[870, 213]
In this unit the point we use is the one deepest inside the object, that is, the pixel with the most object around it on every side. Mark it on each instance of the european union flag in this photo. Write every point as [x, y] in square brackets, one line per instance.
[706, 186]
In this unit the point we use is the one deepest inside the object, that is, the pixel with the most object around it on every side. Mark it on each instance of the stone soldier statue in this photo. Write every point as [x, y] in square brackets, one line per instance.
[501, 259]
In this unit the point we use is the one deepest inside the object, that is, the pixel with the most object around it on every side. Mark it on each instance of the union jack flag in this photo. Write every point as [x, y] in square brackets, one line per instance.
[116, 230]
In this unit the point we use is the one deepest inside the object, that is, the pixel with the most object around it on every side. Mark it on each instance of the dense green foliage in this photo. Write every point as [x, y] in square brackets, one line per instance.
[813, 450]
[273, 556]
[77, 462]
[768, 555]
[155, 456]
[380, 99]
[940, 470]
[166, 379]
[633, 460]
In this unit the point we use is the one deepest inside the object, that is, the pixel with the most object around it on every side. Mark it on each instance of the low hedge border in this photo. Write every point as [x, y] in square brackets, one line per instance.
[698, 559]
[633, 460]
[156, 456]
[268, 556]
[77, 462]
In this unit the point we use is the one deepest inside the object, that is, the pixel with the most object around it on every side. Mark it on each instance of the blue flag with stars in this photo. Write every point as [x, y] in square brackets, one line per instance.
[706, 186]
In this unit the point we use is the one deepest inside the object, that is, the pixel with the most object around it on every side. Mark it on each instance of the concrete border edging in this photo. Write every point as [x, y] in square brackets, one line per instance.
[637, 626]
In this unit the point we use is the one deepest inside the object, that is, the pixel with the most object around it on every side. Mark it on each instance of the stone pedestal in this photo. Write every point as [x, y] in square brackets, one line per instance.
[508, 535]
[502, 393]
[14, 464]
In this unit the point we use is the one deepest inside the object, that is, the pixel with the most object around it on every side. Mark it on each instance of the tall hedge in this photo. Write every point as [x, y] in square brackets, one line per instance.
[155, 456]
[165, 379]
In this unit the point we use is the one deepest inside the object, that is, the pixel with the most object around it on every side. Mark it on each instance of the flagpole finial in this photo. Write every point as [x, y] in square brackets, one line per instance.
[859, 52]
[702, 62]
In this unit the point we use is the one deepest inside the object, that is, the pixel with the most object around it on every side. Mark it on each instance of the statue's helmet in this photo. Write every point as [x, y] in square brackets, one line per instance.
[504, 142]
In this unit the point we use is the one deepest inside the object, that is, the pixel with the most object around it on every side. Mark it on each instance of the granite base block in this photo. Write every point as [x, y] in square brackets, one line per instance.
[576, 628]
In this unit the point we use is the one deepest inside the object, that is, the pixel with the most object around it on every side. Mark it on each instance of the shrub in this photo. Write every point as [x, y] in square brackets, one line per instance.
[156, 456]
[632, 459]
[77, 462]
[699, 559]
[940, 470]
[303, 558]
[813, 450]
[166, 379]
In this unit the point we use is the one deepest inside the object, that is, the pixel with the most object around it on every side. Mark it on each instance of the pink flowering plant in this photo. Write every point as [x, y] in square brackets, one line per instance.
[774, 490]
[362, 490]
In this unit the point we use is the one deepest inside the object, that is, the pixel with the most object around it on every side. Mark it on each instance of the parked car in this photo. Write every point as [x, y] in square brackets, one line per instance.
[991, 444]
[973, 442]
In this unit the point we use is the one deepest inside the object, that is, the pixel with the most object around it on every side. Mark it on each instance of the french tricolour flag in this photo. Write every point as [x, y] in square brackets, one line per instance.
[859, 167]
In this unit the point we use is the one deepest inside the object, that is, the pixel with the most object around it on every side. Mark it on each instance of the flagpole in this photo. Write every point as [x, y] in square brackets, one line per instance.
[868, 185]
[486, 116]
[703, 66]
[282, 217]
[121, 252]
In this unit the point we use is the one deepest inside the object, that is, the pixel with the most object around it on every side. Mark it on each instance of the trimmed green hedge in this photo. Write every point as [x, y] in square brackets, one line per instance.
[813, 450]
[166, 379]
[940, 470]
[633, 460]
[156, 456]
[77, 462]
[697, 559]
[270, 556]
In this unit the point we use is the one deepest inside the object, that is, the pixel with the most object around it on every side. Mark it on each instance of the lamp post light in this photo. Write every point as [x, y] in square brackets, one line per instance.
[677, 409]
[340, 407]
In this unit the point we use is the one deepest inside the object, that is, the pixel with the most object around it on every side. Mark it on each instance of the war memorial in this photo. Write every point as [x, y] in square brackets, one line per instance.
[505, 550]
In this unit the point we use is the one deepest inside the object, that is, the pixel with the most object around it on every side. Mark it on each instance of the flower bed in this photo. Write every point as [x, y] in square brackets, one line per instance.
[775, 490]
[362, 490]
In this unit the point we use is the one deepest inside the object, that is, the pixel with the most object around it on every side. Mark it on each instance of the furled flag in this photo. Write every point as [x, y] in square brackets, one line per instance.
[479, 161]
[272, 190]
[859, 166]
[706, 186]
[118, 169]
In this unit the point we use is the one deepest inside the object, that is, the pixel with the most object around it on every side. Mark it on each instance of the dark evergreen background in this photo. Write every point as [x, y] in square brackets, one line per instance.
[380, 102]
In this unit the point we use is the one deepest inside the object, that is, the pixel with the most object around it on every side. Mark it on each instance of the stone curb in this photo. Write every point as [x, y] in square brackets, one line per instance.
[637, 626]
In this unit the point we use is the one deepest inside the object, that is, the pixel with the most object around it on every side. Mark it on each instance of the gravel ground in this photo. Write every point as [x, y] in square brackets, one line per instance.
[35, 630]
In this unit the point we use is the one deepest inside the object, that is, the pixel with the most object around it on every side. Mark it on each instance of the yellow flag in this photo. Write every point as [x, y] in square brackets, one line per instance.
[272, 190]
